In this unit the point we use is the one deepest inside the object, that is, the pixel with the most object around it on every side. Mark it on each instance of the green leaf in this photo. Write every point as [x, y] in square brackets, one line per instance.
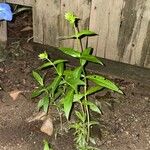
[38, 78]
[86, 51]
[45, 65]
[80, 116]
[55, 84]
[58, 94]
[94, 90]
[60, 68]
[91, 58]
[68, 101]
[84, 33]
[77, 72]
[75, 82]
[93, 107]
[77, 97]
[44, 102]
[46, 145]
[99, 80]
[37, 92]
[70, 51]
[40, 103]
[72, 78]
[59, 61]
[49, 64]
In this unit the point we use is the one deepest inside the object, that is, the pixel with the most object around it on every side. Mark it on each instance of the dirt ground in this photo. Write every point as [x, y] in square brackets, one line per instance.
[125, 123]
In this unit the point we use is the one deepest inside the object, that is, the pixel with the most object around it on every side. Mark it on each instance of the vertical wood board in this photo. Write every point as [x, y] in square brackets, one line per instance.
[134, 50]
[3, 30]
[105, 21]
[45, 21]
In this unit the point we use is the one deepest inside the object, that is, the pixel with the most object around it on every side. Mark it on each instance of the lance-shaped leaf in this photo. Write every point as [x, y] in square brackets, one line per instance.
[38, 78]
[77, 97]
[74, 82]
[91, 58]
[94, 89]
[49, 64]
[99, 80]
[86, 51]
[84, 33]
[93, 107]
[77, 72]
[55, 83]
[70, 51]
[60, 68]
[68, 101]
[44, 103]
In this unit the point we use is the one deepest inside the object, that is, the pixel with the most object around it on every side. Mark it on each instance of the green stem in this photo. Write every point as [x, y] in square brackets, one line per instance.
[85, 87]
[86, 106]
[53, 65]
[79, 40]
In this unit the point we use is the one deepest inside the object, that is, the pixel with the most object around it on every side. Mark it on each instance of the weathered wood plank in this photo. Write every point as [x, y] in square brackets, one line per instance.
[45, 21]
[135, 51]
[105, 21]
[3, 30]
[21, 2]
[145, 57]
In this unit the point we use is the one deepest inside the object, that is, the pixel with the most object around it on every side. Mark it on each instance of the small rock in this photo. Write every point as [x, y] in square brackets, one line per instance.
[146, 98]
[47, 126]
[14, 94]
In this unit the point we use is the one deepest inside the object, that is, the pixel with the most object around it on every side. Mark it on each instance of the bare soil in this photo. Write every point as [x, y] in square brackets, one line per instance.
[125, 123]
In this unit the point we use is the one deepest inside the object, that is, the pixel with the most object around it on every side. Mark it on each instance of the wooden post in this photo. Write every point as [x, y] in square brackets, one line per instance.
[3, 31]
[3, 35]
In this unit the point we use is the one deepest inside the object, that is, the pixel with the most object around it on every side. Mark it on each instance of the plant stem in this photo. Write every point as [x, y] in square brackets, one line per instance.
[53, 65]
[85, 87]
[78, 40]
[86, 106]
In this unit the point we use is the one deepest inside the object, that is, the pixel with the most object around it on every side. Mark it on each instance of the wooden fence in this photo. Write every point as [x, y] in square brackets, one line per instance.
[123, 26]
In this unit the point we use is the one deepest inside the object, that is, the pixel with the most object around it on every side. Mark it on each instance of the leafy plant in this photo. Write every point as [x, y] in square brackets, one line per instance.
[70, 87]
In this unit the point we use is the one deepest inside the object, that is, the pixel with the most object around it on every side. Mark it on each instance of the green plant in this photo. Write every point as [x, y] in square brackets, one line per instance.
[70, 87]
[46, 146]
